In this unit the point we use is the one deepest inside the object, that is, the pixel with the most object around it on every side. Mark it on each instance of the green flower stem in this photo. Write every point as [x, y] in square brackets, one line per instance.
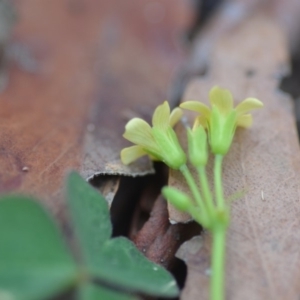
[218, 235]
[193, 187]
[218, 263]
[218, 181]
[206, 190]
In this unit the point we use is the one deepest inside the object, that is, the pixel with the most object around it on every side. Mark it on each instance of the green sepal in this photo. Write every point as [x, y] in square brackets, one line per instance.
[221, 130]
[171, 151]
[197, 146]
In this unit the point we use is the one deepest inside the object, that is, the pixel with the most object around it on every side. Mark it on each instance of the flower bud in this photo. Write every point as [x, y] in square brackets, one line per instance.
[178, 199]
[197, 146]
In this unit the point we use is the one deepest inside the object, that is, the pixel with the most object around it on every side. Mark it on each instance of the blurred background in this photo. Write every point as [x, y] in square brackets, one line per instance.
[73, 72]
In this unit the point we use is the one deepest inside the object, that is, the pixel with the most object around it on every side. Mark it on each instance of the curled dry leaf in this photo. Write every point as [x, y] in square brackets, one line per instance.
[137, 59]
[263, 239]
[158, 239]
[121, 57]
[107, 186]
[43, 113]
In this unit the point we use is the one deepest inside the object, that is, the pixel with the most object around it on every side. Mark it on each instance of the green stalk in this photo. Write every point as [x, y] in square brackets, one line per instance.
[218, 181]
[218, 235]
[206, 190]
[193, 187]
[218, 264]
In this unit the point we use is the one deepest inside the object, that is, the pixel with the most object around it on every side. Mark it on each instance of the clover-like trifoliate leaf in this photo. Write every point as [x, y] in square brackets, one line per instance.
[90, 217]
[90, 291]
[34, 260]
[121, 263]
[114, 261]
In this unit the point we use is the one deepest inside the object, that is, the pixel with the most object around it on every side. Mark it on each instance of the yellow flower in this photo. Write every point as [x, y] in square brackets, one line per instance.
[222, 118]
[159, 142]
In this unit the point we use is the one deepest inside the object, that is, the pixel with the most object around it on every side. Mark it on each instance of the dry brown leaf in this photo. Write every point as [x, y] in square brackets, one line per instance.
[107, 186]
[43, 114]
[263, 240]
[158, 239]
[7, 21]
[138, 58]
[90, 55]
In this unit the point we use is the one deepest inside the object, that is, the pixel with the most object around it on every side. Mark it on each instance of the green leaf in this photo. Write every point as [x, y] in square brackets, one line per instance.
[91, 291]
[116, 262]
[90, 217]
[119, 262]
[34, 260]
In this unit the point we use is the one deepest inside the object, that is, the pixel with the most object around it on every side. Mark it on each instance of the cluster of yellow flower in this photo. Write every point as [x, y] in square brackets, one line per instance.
[160, 141]
[214, 126]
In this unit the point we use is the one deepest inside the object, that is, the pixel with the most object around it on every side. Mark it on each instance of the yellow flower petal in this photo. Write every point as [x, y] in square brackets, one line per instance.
[130, 154]
[222, 99]
[161, 116]
[197, 107]
[247, 105]
[138, 132]
[175, 116]
[154, 158]
[244, 121]
[200, 120]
